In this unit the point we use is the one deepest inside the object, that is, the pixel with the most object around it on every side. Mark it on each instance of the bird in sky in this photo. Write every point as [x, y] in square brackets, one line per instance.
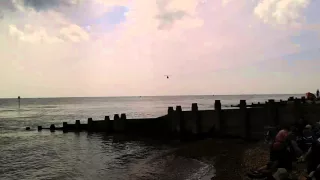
[167, 76]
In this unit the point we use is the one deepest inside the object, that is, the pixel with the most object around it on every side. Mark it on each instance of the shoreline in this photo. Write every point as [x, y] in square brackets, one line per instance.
[231, 158]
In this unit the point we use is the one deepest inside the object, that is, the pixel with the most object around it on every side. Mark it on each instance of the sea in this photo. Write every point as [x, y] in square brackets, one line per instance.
[45, 155]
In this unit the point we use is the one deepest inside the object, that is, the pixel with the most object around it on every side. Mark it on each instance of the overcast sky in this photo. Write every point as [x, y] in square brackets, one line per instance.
[125, 47]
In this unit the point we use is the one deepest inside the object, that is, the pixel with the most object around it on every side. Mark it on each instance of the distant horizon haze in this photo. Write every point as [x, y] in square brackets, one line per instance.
[186, 95]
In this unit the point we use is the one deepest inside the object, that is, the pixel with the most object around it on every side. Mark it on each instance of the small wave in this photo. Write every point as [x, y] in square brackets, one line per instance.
[167, 165]
[206, 172]
[14, 110]
[46, 107]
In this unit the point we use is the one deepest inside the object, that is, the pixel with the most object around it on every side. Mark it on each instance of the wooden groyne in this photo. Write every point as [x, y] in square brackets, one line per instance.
[244, 121]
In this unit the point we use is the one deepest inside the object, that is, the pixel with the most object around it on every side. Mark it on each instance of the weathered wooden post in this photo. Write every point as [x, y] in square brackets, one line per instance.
[123, 120]
[246, 119]
[65, 126]
[19, 101]
[297, 110]
[78, 125]
[221, 123]
[107, 124]
[52, 127]
[181, 123]
[90, 124]
[171, 121]
[196, 112]
[272, 114]
[116, 120]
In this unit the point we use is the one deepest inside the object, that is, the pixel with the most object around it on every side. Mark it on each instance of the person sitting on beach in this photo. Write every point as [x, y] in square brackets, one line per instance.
[314, 175]
[280, 154]
[313, 156]
[306, 140]
[281, 149]
[316, 130]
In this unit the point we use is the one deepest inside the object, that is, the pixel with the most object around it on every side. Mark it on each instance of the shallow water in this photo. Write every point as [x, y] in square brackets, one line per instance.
[44, 155]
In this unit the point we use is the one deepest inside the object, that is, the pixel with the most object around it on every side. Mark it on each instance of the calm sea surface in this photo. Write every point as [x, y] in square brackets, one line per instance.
[81, 156]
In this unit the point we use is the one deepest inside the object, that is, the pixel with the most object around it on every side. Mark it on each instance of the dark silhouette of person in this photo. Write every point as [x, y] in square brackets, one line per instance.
[318, 93]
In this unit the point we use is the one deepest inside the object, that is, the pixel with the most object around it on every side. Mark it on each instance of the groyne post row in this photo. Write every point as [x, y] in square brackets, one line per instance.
[243, 121]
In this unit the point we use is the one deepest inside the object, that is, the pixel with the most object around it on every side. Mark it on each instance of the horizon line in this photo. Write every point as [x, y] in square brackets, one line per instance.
[47, 97]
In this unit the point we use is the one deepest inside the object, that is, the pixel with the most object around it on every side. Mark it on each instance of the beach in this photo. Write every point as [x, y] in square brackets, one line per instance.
[232, 158]
[45, 155]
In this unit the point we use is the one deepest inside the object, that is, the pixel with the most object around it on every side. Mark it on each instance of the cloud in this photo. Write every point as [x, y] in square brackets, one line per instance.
[41, 5]
[160, 14]
[191, 40]
[33, 35]
[57, 31]
[284, 12]
[48, 26]
[74, 33]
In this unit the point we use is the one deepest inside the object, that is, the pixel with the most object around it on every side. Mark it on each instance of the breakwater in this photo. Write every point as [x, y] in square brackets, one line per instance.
[244, 121]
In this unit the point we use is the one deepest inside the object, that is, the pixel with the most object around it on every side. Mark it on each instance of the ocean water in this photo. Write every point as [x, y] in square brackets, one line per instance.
[81, 156]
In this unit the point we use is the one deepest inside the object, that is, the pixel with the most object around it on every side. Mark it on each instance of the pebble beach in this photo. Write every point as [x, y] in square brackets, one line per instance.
[232, 158]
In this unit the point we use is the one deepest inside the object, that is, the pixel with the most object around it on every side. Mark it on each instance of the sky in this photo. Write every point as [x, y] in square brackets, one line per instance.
[58, 48]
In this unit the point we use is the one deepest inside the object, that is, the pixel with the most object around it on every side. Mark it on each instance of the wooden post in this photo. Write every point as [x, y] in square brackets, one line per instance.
[65, 126]
[107, 124]
[19, 101]
[78, 125]
[52, 127]
[196, 112]
[181, 123]
[246, 119]
[297, 110]
[90, 124]
[272, 113]
[116, 119]
[123, 119]
[221, 123]
[171, 121]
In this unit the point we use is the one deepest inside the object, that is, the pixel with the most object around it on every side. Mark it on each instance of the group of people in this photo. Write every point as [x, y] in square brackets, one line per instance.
[300, 143]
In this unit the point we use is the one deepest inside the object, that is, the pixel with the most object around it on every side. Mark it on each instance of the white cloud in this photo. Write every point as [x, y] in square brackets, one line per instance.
[38, 34]
[32, 34]
[74, 33]
[173, 14]
[190, 49]
[284, 12]
[47, 27]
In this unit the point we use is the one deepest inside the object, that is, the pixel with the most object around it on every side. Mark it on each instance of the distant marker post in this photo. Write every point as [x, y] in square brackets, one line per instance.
[19, 101]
